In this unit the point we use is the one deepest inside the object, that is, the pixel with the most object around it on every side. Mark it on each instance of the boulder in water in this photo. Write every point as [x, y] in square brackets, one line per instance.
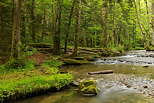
[88, 88]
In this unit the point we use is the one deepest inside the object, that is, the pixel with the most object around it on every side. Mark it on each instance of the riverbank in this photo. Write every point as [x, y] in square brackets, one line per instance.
[27, 82]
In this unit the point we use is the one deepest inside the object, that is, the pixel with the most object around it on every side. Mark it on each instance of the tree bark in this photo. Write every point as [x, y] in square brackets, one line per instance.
[33, 21]
[104, 24]
[78, 29]
[56, 38]
[15, 50]
[69, 24]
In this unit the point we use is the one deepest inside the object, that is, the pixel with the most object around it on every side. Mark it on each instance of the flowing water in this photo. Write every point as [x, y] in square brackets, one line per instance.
[131, 82]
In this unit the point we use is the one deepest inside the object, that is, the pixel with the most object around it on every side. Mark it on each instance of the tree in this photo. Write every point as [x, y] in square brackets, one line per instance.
[15, 49]
[104, 24]
[69, 25]
[57, 29]
[78, 29]
[33, 21]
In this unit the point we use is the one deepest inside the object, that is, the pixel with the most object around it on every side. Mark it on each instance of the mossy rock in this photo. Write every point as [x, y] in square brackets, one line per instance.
[78, 58]
[75, 62]
[149, 48]
[88, 87]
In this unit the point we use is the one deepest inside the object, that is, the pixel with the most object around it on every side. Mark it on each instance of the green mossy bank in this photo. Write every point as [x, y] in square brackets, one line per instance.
[22, 83]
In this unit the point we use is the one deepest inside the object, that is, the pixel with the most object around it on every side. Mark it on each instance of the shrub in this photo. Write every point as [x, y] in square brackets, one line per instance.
[17, 63]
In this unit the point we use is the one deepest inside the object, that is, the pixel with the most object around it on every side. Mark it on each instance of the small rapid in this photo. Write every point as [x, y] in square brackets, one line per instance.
[140, 57]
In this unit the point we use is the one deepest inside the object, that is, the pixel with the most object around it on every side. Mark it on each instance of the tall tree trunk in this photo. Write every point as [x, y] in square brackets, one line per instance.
[104, 24]
[69, 24]
[152, 22]
[15, 50]
[78, 29]
[56, 38]
[33, 21]
[23, 23]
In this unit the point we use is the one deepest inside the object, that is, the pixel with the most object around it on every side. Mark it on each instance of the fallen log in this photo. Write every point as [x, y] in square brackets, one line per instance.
[101, 72]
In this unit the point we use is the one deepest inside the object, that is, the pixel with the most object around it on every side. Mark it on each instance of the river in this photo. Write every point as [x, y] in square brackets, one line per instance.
[131, 82]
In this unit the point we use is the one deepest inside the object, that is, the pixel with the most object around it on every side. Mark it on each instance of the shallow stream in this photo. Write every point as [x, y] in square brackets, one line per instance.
[131, 82]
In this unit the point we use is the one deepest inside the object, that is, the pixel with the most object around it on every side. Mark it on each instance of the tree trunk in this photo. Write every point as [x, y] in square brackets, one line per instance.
[78, 29]
[33, 21]
[69, 24]
[56, 38]
[15, 50]
[23, 23]
[152, 22]
[104, 24]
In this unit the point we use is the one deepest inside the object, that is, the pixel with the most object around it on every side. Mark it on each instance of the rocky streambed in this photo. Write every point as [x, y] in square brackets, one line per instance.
[143, 85]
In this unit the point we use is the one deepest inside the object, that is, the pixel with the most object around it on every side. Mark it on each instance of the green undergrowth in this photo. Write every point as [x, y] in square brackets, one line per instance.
[14, 89]
[17, 65]
[26, 80]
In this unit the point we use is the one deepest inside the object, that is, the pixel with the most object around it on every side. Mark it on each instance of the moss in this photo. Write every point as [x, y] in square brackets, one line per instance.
[12, 89]
[75, 62]
[52, 63]
[149, 48]
[78, 58]
[89, 90]
[88, 87]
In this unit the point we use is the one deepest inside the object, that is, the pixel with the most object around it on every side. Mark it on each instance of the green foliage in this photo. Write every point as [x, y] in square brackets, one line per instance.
[27, 50]
[13, 89]
[51, 70]
[19, 63]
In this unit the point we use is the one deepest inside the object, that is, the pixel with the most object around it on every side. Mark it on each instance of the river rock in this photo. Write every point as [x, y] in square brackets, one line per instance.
[88, 88]
[74, 83]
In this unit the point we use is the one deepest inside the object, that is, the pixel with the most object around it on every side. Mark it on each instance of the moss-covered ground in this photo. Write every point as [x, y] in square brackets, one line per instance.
[29, 80]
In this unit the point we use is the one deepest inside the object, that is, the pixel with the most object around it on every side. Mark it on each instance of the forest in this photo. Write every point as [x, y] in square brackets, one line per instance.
[38, 37]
